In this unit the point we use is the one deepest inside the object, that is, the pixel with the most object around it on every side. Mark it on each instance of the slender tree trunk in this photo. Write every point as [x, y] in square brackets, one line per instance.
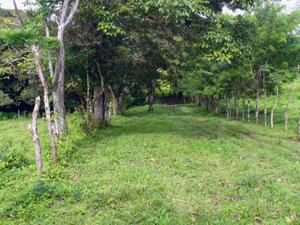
[298, 126]
[286, 109]
[227, 109]
[265, 99]
[39, 69]
[213, 108]
[151, 98]
[257, 105]
[19, 117]
[248, 116]
[274, 106]
[265, 107]
[33, 128]
[243, 108]
[231, 105]
[235, 106]
[218, 105]
[114, 101]
[89, 108]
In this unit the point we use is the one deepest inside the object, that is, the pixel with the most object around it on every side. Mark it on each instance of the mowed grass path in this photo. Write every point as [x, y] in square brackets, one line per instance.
[164, 167]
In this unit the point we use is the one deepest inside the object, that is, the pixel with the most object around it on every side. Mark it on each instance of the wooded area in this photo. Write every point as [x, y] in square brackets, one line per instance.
[94, 59]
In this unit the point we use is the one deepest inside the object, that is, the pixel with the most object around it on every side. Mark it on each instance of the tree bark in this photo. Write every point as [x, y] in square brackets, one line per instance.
[243, 108]
[35, 52]
[151, 98]
[219, 105]
[265, 100]
[274, 106]
[33, 128]
[38, 64]
[58, 80]
[257, 105]
[114, 101]
[213, 107]
[99, 104]
[248, 116]
[227, 107]
[286, 108]
[298, 126]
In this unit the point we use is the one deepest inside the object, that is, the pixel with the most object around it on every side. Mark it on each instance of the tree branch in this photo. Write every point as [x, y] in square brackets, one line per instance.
[21, 21]
[71, 15]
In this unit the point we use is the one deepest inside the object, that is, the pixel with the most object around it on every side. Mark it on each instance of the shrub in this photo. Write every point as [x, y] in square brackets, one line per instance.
[11, 157]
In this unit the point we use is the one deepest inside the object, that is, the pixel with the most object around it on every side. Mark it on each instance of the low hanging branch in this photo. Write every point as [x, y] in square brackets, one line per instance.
[33, 128]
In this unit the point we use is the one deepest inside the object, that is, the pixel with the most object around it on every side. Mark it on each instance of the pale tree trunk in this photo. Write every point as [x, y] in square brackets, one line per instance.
[265, 99]
[286, 109]
[244, 102]
[89, 108]
[298, 126]
[114, 101]
[38, 64]
[248, 116]
[274, 106]
[58, 80]
[33, 128]
[35, 52]
[265, 108]
[257, 105]
[19, 117]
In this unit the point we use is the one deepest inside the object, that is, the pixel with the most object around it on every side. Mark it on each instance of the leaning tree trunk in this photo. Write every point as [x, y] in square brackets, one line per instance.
[285, 112]
[248, 116]
[114, 101]
[33, 128]
[150, 99]
[35, 52]
[274, 106]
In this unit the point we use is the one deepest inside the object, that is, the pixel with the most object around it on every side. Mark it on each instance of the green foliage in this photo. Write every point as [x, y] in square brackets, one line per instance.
[11, 158]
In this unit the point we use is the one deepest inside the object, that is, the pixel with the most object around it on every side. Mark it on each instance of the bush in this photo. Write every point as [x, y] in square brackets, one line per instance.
[11, 157]
[8, 115]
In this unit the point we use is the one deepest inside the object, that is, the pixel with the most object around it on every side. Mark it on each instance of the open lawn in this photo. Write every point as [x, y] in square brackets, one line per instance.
[164, 167]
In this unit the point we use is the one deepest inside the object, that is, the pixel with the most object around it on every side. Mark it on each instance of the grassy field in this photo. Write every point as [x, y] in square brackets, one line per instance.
[182, 167]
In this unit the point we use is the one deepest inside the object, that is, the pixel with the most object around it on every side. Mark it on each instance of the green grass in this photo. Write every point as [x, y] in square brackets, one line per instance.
[164, 167]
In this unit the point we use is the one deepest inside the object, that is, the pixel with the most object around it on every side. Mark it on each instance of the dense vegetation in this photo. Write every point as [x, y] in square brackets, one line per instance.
[108, 150]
